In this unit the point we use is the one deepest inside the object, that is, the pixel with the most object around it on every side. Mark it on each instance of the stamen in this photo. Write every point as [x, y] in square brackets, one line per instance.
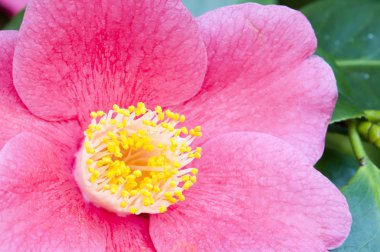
[135, 160]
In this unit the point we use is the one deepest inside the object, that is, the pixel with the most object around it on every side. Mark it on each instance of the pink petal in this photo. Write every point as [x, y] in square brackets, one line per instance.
[78, 55]
[261, 77]
[41, 208]
[16, 118]
[254, 192]
[13, 6]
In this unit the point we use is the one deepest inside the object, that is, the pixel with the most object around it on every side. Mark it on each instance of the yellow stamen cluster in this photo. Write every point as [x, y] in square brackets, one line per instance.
[133, 159]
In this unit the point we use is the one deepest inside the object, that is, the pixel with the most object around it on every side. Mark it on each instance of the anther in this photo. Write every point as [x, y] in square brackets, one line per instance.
[134, 160]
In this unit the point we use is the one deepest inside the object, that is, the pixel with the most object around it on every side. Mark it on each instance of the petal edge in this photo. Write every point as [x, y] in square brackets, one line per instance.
[254, 193]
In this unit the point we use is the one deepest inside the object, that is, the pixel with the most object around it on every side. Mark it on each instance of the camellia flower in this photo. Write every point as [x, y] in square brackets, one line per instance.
[97, 153]
[13, 6]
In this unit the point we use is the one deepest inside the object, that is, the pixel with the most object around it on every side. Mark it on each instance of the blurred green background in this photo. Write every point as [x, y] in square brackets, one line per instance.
[348, 33]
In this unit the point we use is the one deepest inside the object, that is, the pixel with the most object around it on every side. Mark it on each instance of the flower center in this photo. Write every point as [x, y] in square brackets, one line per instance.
[133, 160]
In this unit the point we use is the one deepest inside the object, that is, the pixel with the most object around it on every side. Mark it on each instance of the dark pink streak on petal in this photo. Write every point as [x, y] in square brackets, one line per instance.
[16, 118]
[74, 56]
[41, 208]
[254, 192]
[8, 41]
[261, 77]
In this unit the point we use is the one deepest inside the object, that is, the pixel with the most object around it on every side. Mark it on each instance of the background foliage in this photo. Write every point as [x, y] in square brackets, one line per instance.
[348, 33]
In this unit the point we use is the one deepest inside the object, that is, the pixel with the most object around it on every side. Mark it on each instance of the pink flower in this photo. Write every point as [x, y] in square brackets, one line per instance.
[13, 6]
[245, 72]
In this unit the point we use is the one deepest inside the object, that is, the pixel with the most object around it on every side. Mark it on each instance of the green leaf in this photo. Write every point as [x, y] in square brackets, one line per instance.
[337, 166]
[363, 197]
[15, 22]
[260, 1]
[349, 31]
[198, 7]
[365, 79]
[338, 162]
[296, 4]
[337, 139]
[345, 108]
